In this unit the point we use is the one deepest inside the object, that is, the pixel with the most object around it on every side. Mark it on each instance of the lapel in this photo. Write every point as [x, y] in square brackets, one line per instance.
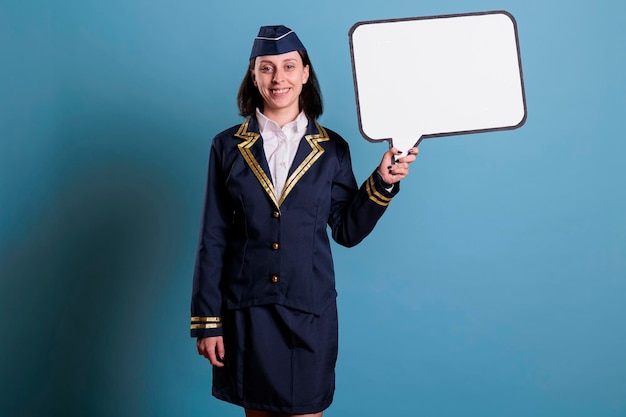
[308, 153]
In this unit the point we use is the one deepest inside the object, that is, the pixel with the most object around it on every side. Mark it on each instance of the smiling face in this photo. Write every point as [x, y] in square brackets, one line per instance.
[279, 79]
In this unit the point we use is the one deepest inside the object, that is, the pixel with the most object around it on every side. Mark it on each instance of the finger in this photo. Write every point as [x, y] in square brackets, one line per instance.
[397, 154]
[388, 157]
[399, 168]
[221, 352]
[408, 159]
[213, 358]
[399, 176]
[411, 155]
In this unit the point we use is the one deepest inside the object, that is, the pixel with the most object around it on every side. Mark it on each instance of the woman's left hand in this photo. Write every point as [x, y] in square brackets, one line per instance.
[394, 172]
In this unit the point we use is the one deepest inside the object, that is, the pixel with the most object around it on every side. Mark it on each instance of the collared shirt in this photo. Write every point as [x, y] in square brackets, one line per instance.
[281, 145]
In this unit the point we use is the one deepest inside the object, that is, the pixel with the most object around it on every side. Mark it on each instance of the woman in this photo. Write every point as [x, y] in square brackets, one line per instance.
[263, 304]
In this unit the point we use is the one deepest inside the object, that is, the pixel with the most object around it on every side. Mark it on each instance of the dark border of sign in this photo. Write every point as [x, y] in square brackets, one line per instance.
[434, 135]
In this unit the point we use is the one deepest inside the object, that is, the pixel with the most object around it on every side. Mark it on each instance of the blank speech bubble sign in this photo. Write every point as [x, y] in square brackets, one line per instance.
[437, 76]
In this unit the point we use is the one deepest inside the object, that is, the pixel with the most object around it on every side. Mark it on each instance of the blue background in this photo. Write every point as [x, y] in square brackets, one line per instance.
[493, 286]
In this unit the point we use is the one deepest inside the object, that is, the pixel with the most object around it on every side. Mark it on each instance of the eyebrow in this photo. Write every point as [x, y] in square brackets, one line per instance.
[272, 62]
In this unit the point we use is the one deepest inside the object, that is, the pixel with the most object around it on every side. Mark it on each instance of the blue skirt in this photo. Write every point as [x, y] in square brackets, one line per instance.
[278, 359]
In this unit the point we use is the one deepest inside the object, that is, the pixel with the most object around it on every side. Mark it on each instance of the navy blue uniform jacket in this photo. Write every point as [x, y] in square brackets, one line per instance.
[257, 249]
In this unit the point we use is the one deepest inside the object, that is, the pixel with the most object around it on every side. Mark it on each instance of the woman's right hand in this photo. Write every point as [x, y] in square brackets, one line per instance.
[212, 348]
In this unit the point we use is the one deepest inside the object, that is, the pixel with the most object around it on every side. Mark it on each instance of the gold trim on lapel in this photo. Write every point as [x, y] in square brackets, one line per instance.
[316, 152]
[250, 139]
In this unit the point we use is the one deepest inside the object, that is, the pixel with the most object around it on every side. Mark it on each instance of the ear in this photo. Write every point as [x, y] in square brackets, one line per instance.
[305, 74]
[253, 78]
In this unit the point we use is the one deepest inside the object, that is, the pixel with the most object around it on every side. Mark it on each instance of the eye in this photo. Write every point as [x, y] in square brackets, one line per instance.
[266, 68]
[290, 67]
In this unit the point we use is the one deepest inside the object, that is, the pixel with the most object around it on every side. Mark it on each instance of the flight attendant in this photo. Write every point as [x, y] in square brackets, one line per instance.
[263, 306]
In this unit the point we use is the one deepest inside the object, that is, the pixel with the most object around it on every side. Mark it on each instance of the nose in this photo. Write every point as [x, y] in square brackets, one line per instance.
[278, 75]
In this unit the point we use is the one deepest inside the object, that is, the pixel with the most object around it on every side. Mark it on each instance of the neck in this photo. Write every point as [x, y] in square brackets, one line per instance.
[281, 117]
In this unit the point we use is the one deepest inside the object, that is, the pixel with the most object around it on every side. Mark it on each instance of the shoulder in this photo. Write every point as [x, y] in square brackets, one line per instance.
[326, 134]
[333, 140]
[334, 135]
[234, 134]
[231, 131]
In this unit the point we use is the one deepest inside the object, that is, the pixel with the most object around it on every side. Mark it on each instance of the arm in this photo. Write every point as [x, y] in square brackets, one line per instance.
[354, 213]
[206, 299]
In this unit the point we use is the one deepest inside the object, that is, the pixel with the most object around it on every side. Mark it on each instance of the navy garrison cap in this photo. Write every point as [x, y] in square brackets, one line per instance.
[275, 40]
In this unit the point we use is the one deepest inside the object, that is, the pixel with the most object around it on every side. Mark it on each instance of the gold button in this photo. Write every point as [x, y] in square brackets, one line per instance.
[275, 246]
[274, 279]
[276, 214]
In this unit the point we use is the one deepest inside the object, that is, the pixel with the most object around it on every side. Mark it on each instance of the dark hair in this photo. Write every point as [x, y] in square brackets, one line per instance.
[249, 98]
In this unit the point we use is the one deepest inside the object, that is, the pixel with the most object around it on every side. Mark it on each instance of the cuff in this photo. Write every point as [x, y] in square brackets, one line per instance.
[379, 191]
[206, 326]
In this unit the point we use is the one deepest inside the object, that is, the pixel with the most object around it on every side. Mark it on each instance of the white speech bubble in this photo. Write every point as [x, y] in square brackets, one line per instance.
[437, 76]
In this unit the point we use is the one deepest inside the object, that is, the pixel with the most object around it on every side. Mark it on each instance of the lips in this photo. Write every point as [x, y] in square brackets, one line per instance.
[281, 91]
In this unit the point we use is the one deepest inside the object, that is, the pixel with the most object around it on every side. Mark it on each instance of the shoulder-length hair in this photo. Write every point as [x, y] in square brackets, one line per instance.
[249, 98]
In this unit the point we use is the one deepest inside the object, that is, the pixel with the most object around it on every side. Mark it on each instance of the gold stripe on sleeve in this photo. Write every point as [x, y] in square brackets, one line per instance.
[207, 319]
[206, 326]
[374, 195]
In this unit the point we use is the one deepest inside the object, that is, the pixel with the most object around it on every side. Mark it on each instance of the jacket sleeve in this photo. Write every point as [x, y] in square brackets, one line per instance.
[206, 299]
[355, 212]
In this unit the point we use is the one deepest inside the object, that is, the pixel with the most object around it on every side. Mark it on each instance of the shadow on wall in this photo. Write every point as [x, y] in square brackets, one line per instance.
[86, 281]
